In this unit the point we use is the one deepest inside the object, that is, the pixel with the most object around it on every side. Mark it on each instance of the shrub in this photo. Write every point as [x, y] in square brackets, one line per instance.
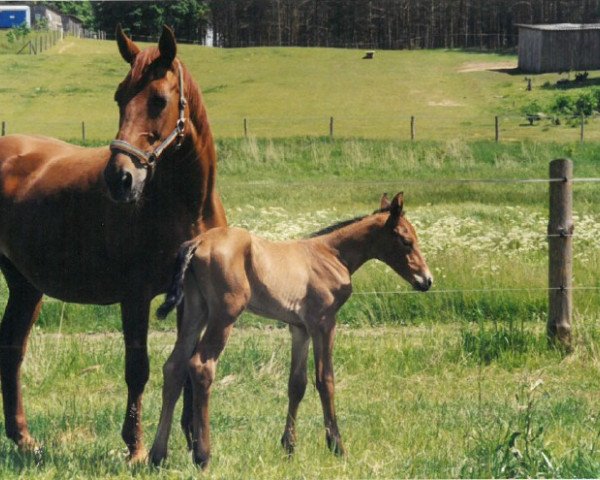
[532, 111]
[585, 104]
[18, 33]
[563, 104]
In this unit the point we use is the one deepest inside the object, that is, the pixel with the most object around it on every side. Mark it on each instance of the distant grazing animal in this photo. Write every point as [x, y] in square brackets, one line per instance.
[303, 283]
[61, 234]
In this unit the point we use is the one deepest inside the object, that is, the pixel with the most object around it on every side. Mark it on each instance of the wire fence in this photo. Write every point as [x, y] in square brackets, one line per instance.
[430, 125]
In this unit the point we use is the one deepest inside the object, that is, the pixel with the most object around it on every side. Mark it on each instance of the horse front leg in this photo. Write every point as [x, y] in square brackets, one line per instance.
[135, 312]
[175, 371]
[22, 310]
[203, 366]
[323, 338]
[296, 384]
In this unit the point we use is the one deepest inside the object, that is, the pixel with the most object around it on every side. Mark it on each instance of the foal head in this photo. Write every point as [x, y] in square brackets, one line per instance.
[397, 245]
[152, 113]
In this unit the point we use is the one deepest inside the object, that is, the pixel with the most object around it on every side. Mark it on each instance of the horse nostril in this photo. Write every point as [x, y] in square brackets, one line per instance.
[429, 282]
[126, 181]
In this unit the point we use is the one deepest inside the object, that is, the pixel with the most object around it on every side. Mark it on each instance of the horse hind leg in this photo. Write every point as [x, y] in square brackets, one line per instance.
[296, 384]
[323, 339]
[22, 310]
[186, 411]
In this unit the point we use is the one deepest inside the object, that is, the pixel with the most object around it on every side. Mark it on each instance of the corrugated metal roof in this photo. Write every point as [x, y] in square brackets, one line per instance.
[561, 27]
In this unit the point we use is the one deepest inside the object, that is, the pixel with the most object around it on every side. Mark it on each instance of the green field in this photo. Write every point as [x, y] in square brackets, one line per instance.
[436, 385]
[292, 92]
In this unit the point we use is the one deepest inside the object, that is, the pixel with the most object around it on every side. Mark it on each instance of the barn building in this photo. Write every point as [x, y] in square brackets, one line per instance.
[559, 47]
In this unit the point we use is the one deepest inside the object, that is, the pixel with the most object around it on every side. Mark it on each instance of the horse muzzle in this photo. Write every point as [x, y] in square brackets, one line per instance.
[422, 283]
[124, 180]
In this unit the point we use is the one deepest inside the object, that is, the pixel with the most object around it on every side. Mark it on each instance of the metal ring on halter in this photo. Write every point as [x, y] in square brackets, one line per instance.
[148, 159]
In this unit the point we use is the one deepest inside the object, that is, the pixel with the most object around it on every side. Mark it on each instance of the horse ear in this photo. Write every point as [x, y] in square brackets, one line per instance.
[397, 206]
[384, 202]
[167, 46]
[127, 48]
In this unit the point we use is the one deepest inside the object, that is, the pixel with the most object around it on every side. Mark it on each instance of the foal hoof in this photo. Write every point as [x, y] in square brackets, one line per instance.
[156, 458]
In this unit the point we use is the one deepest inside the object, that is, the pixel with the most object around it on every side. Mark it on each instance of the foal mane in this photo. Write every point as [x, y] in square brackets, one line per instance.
[345, 223]
[141, 72]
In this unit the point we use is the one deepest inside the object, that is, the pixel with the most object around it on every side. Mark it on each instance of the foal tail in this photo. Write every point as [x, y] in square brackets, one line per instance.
[175, 293]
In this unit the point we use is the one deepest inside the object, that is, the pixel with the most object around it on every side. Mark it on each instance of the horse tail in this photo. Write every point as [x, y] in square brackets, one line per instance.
[175, 292]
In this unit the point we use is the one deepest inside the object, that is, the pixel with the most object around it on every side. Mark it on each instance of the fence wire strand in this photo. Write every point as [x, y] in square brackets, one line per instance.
[475, 290]
[457, 181]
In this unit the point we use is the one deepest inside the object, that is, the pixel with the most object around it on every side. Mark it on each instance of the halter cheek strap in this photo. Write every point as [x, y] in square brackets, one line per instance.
[148, 159]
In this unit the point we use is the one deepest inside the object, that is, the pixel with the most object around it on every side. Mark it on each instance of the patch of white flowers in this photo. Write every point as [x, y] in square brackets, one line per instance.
[513, 232]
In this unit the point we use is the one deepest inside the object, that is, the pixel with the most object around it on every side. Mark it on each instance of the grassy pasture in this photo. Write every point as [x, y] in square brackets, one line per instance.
[291, 92]
[429, 385]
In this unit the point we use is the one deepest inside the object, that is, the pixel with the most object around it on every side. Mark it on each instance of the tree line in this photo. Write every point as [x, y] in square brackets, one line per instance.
[388, 24]
[376, 24]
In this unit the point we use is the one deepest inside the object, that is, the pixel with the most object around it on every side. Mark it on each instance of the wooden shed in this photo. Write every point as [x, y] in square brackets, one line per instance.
[559, 47]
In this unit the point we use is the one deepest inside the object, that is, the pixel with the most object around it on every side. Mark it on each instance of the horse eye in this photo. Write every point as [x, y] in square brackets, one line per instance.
[156, 104]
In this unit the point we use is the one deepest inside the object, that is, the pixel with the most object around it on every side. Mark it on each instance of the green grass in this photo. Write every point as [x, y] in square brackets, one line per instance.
[287, 92]
[412, 402]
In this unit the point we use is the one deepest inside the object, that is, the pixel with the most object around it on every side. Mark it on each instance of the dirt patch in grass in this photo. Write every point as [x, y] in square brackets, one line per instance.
[483, 66]
[445, 103]
[65, 47]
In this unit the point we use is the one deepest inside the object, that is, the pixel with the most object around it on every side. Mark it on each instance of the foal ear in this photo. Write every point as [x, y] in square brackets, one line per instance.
[167, 46]
[397, 206]
[127, 48]
[384, 202]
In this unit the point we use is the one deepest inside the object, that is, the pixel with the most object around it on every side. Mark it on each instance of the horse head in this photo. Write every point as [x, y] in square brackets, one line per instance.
[398, 245]
[152, 115]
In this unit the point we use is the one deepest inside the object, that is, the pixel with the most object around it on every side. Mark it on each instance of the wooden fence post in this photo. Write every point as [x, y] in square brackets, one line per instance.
[331, 128]
[245, 128]
[560, 253]
[497, 127]
[3, 128]
[83, 131]
[412, 127]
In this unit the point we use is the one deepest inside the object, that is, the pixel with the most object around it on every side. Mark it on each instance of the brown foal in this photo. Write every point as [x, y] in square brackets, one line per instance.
[303, 283]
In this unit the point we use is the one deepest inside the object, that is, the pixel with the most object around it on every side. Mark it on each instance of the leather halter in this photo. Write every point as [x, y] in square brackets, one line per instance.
[148, 159]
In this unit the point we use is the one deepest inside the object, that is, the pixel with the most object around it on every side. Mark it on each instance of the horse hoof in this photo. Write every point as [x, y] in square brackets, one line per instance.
[288, 443]
[137, 457]
[336, 446]
[201, 460]
[30, 447]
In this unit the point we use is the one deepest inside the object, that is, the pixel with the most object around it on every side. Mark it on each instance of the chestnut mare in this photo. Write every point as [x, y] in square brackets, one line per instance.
[61, 234]
[303, 283]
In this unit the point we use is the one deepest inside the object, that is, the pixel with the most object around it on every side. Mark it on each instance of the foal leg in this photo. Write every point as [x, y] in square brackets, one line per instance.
[175, 371]
[135, 312]
[323, 338]
[186, 412]
[203, 366]
[296, 384]
[22, 310]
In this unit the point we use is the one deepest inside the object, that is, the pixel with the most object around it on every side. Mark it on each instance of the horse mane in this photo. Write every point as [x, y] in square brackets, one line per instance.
[345, 223]
[140, 71]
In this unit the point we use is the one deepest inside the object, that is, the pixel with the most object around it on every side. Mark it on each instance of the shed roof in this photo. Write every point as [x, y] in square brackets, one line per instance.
[561, 27]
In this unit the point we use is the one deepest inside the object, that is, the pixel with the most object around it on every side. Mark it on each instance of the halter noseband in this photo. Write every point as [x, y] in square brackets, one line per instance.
[148, 159]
